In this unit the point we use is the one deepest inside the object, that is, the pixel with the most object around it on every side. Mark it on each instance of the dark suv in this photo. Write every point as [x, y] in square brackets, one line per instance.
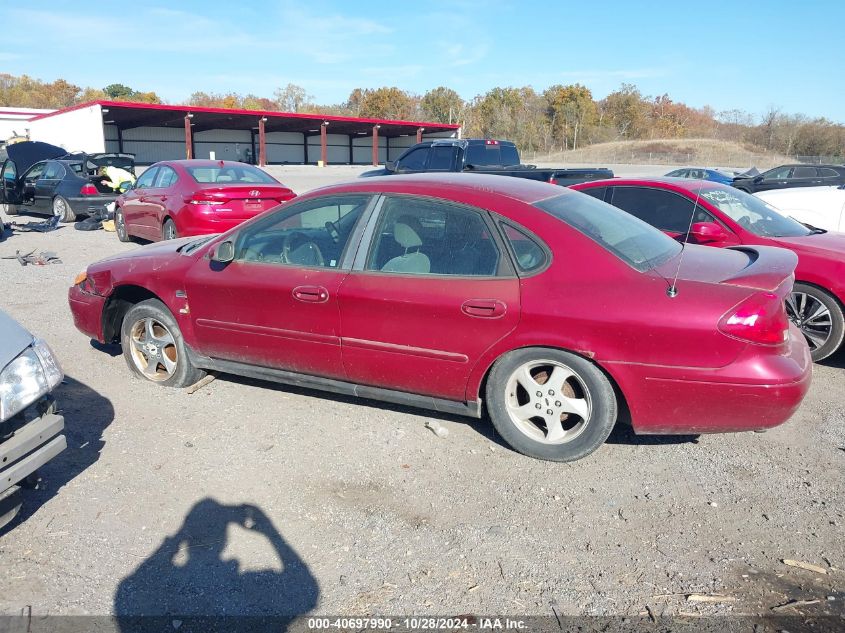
[792, 176]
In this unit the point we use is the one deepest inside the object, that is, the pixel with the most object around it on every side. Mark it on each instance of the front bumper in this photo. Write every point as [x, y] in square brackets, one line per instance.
[756, 392]
[32, 445]
[87, 311]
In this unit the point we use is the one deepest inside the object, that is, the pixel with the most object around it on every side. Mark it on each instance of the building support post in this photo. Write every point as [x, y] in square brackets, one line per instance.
[419, 134]
[262, 143]
[375, 144]
[189, 141]
[324, 149]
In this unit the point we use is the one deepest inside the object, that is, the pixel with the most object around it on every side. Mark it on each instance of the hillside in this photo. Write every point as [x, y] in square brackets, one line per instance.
[687, 151]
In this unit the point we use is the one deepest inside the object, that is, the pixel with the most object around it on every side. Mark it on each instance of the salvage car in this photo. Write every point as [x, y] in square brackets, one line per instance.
[460, 293]
[702, 173]
[30, 429]
[717, 215]
[822, 207]
[179, 198]
[792, 176]
[42, 178]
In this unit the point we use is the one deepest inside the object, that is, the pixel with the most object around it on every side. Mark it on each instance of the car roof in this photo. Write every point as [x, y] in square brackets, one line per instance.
[521, 189]
[665, 182]
[204, 162]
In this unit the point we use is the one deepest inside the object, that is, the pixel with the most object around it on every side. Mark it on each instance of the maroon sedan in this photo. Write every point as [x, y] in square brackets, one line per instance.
[703, 212]
[550, 309]
[178, 198]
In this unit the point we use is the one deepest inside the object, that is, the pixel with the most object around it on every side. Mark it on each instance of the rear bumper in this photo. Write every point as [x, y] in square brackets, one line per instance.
[90, 204]
[87, 311]
[32, 446]
[753, 393]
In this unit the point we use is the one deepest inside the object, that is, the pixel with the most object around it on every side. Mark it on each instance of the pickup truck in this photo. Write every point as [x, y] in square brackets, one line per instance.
[484, 156]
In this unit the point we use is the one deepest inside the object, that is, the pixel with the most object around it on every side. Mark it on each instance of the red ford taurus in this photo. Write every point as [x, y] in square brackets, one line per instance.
[456, 292]
[725, 216]
[179, 198]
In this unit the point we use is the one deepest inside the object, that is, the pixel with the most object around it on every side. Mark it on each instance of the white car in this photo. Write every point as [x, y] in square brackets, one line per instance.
[822, 207]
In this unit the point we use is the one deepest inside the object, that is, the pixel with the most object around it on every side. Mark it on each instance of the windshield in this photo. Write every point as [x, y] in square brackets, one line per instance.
[639, 244]
[230, 174]
[753, 214]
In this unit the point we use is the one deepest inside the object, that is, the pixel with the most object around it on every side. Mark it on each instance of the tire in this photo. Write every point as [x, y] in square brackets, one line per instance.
[9, 209]
[585, 405]
[154, 348]
[819, 317]
[120, 226]
[168, 230]
[62, 208]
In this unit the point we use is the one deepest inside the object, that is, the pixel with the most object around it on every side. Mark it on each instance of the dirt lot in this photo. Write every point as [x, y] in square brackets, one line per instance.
[248, 497]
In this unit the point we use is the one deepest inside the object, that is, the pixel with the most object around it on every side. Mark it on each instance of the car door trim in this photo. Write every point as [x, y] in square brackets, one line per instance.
[261, 330]
[408, 350]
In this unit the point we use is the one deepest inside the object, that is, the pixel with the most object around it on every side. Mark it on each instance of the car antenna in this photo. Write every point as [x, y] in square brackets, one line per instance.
[672, 290]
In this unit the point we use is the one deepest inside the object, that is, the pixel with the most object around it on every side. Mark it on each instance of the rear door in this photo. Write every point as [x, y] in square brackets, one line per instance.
[804, 176]
[45, 186]
[431, 293]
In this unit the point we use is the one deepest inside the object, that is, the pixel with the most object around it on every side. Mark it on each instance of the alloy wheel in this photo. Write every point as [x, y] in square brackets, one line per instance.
[811, 316]
[548, 402]
[153, 349]
[120, 225]
[59, 208]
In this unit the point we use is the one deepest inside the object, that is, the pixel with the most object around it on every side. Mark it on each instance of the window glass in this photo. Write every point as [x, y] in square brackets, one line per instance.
[422, 236]
[777, 173]
[311, 233]
[510, 156]
[35, 171]
[595, 192]
[678, 173]
[145, 180]
[166, 177]
[827, 172]
[484, 154]
[229, 174]
[664, 210]
[639, 245]
[804, 172]
[442, 157]
[415, 160]
[528, 253]
[54, 171]
[752, 213]
[10, 171]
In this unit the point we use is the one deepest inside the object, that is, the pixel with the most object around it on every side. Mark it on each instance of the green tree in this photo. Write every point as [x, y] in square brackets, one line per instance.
[293, 98]
[626, 110]
[569, 110]
[118, 92]
[442, 105]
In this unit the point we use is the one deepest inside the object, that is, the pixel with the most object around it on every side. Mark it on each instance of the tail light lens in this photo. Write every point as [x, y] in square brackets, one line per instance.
[203, 200]
[88, 190]
[761, 319]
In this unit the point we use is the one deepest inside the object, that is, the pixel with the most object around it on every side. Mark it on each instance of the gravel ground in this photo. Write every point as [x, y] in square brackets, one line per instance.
[249, 497]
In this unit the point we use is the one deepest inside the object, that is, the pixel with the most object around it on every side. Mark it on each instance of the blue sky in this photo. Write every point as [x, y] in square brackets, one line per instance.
[748, 55]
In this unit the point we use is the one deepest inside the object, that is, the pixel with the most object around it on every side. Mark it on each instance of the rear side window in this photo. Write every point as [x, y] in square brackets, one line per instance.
[633, 241]
[54, 171]
[827, 172]
[529, 255]
[804, 172]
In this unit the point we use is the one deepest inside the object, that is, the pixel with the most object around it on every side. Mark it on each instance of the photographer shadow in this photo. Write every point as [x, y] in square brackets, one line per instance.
[189, 583]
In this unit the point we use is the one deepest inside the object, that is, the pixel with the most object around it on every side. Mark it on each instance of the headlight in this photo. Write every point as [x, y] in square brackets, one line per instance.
[32, 374]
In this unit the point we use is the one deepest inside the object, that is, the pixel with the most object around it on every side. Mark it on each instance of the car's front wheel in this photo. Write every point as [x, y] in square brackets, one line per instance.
[154, 348]
[9, 209]
[550, 404]
[63, 210]
[819, 317]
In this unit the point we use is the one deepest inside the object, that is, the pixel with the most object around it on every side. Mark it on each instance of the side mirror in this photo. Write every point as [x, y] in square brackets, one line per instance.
[390, 165]
[758, 178]
[224, 252]
[707, 233]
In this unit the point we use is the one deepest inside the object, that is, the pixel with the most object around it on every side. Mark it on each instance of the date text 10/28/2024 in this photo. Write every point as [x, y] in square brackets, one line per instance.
[416, 623]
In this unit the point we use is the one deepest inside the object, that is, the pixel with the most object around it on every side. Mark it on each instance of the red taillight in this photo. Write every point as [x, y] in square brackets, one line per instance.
[492, 142]
[88, 190]
[552, 180]
[761, 319]
[204, 199]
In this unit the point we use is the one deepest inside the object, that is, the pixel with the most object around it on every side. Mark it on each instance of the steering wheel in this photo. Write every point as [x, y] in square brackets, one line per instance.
[745, 222]
[333, 231]
[296, 241]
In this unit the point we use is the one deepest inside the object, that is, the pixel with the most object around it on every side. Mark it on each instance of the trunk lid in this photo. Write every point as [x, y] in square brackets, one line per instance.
[241, 201]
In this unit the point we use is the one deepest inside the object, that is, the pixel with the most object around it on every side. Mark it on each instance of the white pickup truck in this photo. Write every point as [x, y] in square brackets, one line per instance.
[821, 207]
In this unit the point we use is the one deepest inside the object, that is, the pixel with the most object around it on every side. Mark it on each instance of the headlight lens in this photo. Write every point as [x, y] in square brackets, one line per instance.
[32, 374]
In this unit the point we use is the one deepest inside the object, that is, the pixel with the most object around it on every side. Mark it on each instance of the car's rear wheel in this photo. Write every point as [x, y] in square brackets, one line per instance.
[63, 210]
[168, 230]
[154, 348]
[819, 317]
[120, 226]
[550, 404]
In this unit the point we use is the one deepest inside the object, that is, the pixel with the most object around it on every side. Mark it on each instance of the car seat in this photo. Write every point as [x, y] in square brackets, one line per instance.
[406, 233]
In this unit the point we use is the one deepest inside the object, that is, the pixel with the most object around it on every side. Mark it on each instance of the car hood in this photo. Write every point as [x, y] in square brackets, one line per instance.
[374, 172]
[25, 155]
[14, 339]
[830, 244]
[166, 249]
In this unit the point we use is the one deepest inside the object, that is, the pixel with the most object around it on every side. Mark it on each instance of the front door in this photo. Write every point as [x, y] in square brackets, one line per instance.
[29, 181]
[10, 192]
[276, 304]
[135, 209]
[434, 292]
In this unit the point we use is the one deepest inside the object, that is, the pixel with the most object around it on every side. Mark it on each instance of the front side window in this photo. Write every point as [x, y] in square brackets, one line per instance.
[414, 160]
[753, 214]
[227, 174]
[429, 237]
[35, 172]
[145, 181]
[641, 246]
[313, 233]
[666, 210]
[778, 173]
[595, 192]
[442, 157]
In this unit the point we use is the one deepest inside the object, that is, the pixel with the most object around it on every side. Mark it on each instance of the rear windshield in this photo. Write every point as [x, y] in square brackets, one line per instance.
[492, 155]
[229, 174]
[640, 245]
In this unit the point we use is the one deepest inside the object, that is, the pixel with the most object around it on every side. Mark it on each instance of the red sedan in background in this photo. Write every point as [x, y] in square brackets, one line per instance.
[725, 216]
[178, 198]
[448, 291]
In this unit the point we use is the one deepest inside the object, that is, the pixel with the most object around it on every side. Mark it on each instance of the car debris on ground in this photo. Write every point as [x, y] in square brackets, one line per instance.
[41, 259]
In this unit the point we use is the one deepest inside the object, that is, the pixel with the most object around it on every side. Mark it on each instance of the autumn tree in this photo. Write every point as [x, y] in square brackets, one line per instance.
[626, 111]
[442, 105]
[569, 109]
[383, 103]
